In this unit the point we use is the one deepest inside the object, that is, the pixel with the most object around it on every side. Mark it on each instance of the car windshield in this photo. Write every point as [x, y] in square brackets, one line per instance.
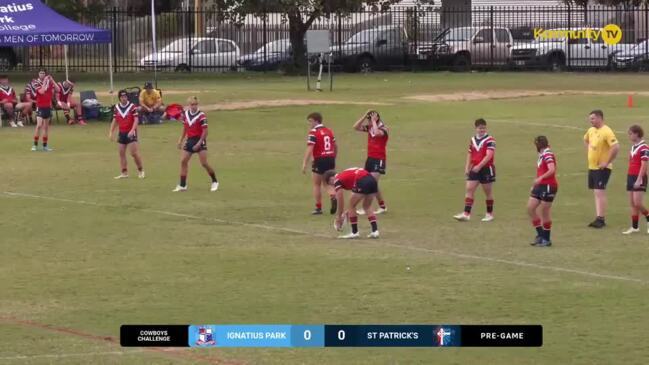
[364, 37]
[457, 34]
[280, 46]
[178, 46]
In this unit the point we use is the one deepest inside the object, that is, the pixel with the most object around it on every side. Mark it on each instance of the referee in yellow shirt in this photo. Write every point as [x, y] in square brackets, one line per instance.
[603, 147]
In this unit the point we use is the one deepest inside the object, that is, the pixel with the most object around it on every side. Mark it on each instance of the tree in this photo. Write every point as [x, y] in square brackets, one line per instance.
[299, 13]
[608, 2]
[90, 10]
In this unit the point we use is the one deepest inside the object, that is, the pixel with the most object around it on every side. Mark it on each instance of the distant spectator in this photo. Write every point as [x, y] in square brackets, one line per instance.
[151, 106]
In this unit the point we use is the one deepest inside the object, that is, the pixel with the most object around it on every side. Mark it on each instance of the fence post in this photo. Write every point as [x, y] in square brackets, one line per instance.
[115, 39]
[340, 33]
[191, 14]
[569, 54]
[493, 45]
[646, 30]
[265, 36]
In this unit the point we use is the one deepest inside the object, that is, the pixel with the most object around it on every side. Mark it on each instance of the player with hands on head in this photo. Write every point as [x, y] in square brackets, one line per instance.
[377, 140]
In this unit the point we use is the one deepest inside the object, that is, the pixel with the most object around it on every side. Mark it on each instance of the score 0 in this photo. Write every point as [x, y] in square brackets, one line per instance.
[307, 336]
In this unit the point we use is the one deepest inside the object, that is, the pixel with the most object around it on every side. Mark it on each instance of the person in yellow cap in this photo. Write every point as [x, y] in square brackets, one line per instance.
[603, 147]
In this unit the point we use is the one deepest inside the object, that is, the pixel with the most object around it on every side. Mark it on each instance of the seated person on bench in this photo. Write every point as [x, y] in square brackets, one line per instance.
[65, 100]
[151, 107]
[9, 102]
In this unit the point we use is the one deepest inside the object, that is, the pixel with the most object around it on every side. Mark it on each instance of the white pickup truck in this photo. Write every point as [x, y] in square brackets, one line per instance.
[557, 54]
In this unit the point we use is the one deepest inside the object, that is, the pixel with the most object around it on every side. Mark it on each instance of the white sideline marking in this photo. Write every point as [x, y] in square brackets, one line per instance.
[60, 356]
[377, 242]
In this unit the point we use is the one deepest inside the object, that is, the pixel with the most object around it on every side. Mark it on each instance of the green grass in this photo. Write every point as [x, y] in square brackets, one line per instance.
[88, 253]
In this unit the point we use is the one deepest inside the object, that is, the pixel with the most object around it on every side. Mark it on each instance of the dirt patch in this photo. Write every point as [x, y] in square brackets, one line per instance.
[252, 104]
[512, 94]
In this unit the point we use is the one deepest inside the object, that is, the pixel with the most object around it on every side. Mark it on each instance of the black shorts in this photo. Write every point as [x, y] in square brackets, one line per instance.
[45, 113]
[366, 185]
[191, 142]
[485, 176]
[630, 181]
[323, 164]
[125, 139]
[375, 165]
[544, 192]
[598, 179]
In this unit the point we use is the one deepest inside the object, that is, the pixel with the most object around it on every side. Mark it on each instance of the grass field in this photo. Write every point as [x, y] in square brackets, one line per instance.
[82, 254]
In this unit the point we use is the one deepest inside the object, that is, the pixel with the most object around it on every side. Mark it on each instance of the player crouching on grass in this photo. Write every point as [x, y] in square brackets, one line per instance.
[479, 170]
[195, 138]
[377, 140]
[543, 192]
[125, 116]
[636, 183]
[321, 144]
[364, 188]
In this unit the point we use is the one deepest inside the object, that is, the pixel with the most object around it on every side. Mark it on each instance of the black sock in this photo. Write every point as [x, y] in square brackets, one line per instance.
[354, 227]
[539, 231]
[183, 181]
[213, 176]
[647, 218]
[375, 227]
[546, 234]
[601, 219]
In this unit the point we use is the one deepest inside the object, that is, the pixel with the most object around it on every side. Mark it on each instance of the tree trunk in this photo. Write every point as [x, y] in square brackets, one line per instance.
[297, 31]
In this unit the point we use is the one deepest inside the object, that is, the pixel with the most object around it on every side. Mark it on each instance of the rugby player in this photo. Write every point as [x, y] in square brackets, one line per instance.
[45, 89]
[377, 141]
[65, 100]
[543, 192]
[8, 100]
[321, 145]
[636, 182]
[603, 147]
[194, 137]
[364, 188]
[126, 118]
[479, 170]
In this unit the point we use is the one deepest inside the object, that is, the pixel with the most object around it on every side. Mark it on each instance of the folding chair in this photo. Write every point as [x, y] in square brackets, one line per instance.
[133, 94]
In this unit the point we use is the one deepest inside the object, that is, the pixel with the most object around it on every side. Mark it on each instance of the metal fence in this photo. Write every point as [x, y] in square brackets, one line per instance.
[401, 38]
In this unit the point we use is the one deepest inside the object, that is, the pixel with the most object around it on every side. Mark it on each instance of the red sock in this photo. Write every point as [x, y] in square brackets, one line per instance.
[36, 138]
[547, 227]
[634, 221]
[536, 222]
[382, 204]
[318, 205]
[490, 206]
[468, 204]
[353, 221]
[45, 139]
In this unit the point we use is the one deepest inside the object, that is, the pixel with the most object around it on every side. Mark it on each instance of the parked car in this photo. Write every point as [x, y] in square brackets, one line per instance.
[267, 58]
[463, 47]
[185, 54]
[636, 58]
[557, 54]
[373, 48]
[8, 58]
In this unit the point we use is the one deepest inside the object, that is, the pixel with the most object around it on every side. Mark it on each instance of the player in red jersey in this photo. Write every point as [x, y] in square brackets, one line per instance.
[28, 102]
[65, 100]
[126, 118]
[364, 188]
[479, 170]
[45, 89]
[195, 141]
[321, 145]
[8, 100]
[636, 183]
[543, 192]
[377, 141]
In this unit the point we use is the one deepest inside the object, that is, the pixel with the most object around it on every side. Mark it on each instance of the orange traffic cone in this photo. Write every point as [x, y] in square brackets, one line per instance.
[629, 101]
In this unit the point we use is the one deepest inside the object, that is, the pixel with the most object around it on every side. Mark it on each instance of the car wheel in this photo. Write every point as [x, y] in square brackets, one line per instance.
[365, 64]
[557, 63]
[182, 68]
[462, 63]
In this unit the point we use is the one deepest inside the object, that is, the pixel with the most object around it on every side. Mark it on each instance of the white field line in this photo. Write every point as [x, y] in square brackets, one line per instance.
[64, 355]
[381, 242]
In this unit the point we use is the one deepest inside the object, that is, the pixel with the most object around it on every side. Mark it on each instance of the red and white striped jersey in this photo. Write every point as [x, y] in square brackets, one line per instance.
[639, 153]
[347, 179]
[64, 92]
[194, 123]
[7, 94]
[478, 147]
[546, 157]
[125, 116]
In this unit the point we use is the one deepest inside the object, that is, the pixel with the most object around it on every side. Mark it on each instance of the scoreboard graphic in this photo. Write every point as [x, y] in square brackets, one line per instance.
[295, 336]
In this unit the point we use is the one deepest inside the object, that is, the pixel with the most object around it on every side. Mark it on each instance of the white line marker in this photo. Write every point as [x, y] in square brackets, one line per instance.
[376, 242]
[64, 355]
